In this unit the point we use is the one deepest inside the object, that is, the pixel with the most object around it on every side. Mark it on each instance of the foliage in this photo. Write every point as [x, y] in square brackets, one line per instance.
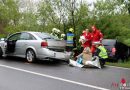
[112, 17]
[120, 64]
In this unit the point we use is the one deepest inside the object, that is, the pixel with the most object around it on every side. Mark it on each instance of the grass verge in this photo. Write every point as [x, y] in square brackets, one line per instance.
[120, 64]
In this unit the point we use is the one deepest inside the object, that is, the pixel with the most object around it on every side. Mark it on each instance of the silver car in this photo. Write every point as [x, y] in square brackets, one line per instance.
[34, 45]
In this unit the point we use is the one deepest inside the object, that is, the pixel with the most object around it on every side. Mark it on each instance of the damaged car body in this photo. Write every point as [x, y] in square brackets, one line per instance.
[34, 45]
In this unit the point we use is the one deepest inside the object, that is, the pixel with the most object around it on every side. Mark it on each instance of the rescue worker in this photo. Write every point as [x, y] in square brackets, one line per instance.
[101, 52]
[85, 39]
[56, 32]
[96, 36]
[62, 36]
[70, 40]
[82, 40]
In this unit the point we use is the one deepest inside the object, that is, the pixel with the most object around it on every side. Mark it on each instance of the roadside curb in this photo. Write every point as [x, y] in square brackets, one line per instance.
[118, 67]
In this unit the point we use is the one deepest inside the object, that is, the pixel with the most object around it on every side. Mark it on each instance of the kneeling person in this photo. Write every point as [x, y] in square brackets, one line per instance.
[101, 52]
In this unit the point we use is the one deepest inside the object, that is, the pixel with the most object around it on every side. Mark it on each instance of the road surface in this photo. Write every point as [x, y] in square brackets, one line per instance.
[17, 74]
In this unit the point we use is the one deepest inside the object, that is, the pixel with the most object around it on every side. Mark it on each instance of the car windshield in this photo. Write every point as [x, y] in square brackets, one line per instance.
[108, 42]
[46, 36]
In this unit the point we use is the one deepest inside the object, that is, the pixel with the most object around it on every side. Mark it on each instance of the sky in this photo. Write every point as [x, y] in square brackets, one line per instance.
[25, 3]
[89, 1]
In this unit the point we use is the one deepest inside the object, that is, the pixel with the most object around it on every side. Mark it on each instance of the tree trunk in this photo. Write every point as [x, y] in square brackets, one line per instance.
[2, 29]
[72, 13]
[64, 27]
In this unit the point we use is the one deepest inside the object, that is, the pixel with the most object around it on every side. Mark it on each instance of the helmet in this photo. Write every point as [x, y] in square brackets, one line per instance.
[71, 30]
[58, 31]
[62, 35]
[54, 30]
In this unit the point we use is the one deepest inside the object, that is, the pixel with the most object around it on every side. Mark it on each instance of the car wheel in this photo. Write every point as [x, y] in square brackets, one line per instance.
[30, 56]
[1, 52]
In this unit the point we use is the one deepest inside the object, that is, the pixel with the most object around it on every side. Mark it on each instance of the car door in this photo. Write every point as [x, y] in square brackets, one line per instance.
[12, 43]
[26, 40]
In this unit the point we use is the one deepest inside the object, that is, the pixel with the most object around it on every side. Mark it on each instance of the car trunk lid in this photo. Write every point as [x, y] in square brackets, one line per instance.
[56, 45]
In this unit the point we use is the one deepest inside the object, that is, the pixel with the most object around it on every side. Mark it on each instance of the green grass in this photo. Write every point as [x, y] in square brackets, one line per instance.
[120, 64]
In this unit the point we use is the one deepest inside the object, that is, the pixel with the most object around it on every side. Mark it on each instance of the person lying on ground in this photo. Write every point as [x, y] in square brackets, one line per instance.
[85, 59]
[86, 55]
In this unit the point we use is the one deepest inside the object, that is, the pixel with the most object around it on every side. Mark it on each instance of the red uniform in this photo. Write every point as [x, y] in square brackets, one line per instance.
[97, 36]
[88, 40]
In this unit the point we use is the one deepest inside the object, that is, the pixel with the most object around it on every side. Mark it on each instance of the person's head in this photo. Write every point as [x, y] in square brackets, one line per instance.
[58, 31]
[93, 28]
[84, 31]
[97, 44]
[53, 30]
[62, 35]
[87, 50]
[71, 30]
[87, 30]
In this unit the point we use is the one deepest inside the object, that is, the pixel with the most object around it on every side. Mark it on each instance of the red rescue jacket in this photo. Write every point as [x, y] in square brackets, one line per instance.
[88, 40]
[96, 36]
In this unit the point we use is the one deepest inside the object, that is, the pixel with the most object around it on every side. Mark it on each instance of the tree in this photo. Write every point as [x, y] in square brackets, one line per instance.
[113, 19]
[9, 16]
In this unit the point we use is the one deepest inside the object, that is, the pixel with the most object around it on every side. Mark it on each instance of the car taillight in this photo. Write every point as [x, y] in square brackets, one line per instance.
[113, 51]
[44, 44]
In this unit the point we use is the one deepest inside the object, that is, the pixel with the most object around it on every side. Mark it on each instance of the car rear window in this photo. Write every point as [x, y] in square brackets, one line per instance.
[46, 36]
[109, 42]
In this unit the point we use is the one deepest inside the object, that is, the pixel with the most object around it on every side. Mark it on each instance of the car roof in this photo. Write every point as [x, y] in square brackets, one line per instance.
[32, 32]
[110, 39]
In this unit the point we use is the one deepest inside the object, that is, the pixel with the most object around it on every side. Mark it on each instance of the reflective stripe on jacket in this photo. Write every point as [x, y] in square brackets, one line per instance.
[103, 52]
[70, 37]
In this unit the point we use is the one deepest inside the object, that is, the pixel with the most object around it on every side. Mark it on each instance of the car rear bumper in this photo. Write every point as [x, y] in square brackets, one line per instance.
[45, 53]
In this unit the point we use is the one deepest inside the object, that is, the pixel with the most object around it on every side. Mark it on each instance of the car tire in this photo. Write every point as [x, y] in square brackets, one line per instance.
[1, 52]
[30, 55]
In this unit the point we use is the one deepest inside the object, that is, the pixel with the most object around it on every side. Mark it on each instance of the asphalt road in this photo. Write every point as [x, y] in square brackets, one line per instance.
[17, 74]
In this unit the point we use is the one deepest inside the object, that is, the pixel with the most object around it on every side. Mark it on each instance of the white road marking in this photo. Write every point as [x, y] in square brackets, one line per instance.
[53, 77]
[118, 67]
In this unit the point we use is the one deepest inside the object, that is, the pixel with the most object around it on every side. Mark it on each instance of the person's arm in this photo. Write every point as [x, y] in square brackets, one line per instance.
[89, 37]
[74, 38]
[65, 38]
[97, 52]
[101, 36]
[79, 55]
